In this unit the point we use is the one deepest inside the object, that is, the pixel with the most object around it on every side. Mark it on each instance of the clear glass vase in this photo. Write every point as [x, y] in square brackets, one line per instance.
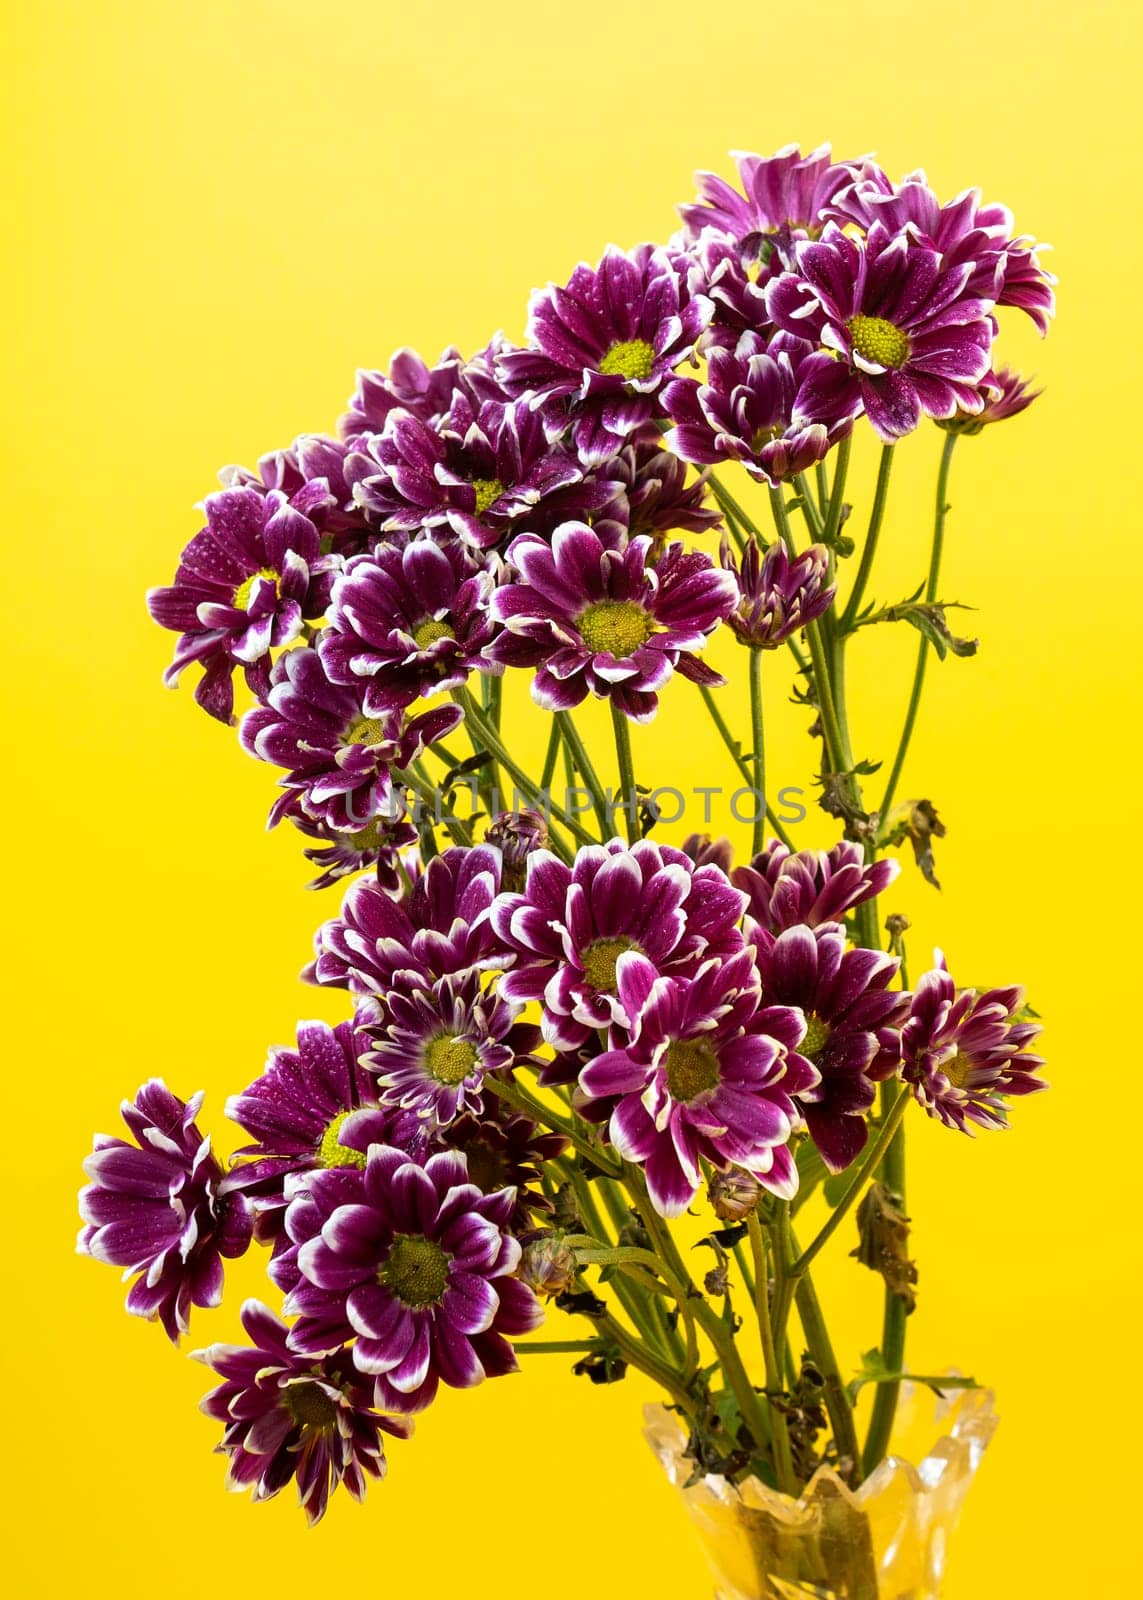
[887, 1541]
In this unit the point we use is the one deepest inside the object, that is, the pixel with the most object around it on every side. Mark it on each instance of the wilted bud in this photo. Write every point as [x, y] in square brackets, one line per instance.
[1005, 394]
[516, 834]
[547, 1266]
[705, 851]
[734, 1194]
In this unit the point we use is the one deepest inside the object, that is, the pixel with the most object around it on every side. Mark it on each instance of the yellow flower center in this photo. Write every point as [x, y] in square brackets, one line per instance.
[309, 1404]
[614, 627]
[365, 730]
[416, 1271]
[879, 341]
[449, 1060]
[958, 1070]
[332, 1153]
[692, 1069]
[817, 1034]
[488, 491]
[246, 589]
[429, 631]
[629, 358]
[600, 960]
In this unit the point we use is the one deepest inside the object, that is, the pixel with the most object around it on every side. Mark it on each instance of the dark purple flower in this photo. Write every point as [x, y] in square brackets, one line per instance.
[735, 288]
[417, 1263]
[506, 1151]
[427, 392]
[289, 1416]
[601, 346]
[480, 473]
[707, 852]
[1004, 268]
[852, 1019]
[607, 622]
[963, 1053]
[440, 1040]
[702, 1074]
[778, 593]
[407, 622]
[245, 583]
[745, 409]
[785, 887]
[912, 340]
[338, 757]
[782, 198]
[387, 846]
[649, 493]
[571, 925]
[442, 928]
[312, 458]
[157, 1208]
[516, 834]
[1005, 393]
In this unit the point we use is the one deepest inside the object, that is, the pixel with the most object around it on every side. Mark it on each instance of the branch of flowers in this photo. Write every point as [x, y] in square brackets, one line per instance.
[837, 497]
[805, 502]
[870, 1161]
[737, 532]
[514, 1094]
[780, 1433]
[758, 734]
[628, 795]
[869, 549]
[731, 744]
[923, 647]
[494, 745]
[821, 1353]
[577, 751]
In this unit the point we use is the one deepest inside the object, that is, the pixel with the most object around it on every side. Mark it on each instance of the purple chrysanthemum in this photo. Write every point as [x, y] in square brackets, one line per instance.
[703, 1074]
[311, 457]
[912, 340]
[517, 835]
[407, 622]
[417, 1263]
[569, 928]
[441, 928]
[852, 1018]
[649, 493]
[963, 1053]
[440, 1040]
[289, 1416]
[387, 846]
[245, 583]
[1005, 394]
[426, 392]
[783, 197]
[481, 473]
[601, 346]
[607, 622]
[778, 593]
[785, 887]
[338, 757]
[504, 1151]
[744, 410]
[157, 1208]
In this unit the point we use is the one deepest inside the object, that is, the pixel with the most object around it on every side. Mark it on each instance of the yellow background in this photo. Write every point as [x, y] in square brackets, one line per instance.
[216, 212]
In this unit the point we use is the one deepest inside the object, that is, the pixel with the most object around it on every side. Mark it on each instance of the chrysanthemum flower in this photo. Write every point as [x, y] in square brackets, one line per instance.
[569, 928]
[157, 1208]
[785, 887]
[481, 473]
[607, 622]
[505, 1151]
[910, 337]
[312, 457]
[964, 1053]
[289, 1416]
[442, 928]
[440, 1040]
[407, 622]
[416, 1262]
[1005, 394]
[426, 392]
[782, 198]
[338, 757]
[649, 493]
[744, 410]
[852, 1019]
[244, 584]
[601, 346]
[1004, 268]
[387, 846]
[516, 834]
[778, 593]
[703, 1075]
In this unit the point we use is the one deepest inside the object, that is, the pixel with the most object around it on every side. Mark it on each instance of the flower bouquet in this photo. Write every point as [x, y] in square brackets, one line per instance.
[572, 1050]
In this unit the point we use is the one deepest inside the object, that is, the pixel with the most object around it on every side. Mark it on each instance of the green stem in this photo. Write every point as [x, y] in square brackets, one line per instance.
[556, 1347]
[821, 1353]
[575, 748]
[837, 498]
[758, 734]
[514, 1094]
[831, 737]
[726, 500]
[895, 1315]
[628, 795]
[869, 549]
[865, 1170]
[492, 742]
[550, 758]
[780, 1432]
[637, 1355]
[923, 647]
[731, 744]
[459, 830]
[632, 1297]
[808, 508]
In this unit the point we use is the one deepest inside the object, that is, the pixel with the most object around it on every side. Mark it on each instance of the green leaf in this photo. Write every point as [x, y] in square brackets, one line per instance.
[874, 1370]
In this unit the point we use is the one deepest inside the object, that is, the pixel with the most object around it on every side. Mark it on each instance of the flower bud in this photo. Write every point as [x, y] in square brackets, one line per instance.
[547, 1265]
[734, 1194]
[516, 834]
